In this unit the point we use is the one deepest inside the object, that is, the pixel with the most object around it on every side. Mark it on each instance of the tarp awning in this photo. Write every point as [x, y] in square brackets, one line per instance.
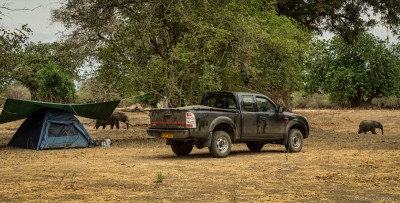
[19, 109]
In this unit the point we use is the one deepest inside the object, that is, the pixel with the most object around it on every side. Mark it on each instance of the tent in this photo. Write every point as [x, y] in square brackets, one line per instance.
[52, 125]
[51, 128]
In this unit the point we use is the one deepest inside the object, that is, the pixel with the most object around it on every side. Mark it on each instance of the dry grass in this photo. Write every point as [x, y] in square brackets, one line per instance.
[336, 165]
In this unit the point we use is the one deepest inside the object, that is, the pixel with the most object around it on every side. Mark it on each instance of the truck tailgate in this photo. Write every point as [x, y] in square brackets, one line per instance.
[168, 118]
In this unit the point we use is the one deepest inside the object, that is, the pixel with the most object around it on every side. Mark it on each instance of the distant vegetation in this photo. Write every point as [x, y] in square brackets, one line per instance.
[320, 101]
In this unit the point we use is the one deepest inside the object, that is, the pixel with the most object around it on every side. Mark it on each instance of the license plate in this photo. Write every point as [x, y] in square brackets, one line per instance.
[167, 135]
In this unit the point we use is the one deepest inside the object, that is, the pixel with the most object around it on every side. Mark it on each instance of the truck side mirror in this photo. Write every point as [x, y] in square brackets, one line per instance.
[281, 109]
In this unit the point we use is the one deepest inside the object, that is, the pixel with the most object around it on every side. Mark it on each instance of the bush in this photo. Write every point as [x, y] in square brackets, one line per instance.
[391, 102]
[315, 101]
[54, 85]
[17, 91]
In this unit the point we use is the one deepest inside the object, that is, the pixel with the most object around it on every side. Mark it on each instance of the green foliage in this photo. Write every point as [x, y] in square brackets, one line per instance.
[54, 85]
[277, 55]
[182, 49]
[159, 177]
[91, 90]
[314, 101]
[11, 43]
[37, 56]
[146, 98]
[354, 73]
[347, 19]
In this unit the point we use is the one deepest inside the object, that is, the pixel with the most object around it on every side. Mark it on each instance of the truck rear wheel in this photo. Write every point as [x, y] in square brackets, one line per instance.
[255, 147]
[181, 148]
[295, 141]
[221, 144]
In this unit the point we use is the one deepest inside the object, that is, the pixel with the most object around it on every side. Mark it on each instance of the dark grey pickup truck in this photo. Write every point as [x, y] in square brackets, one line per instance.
[224, 118]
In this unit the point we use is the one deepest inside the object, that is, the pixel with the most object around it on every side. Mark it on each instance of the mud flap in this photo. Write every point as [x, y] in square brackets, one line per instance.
[285, 141]
[207, 142]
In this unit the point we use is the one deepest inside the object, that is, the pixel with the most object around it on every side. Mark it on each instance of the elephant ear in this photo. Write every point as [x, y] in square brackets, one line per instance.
[124, 116]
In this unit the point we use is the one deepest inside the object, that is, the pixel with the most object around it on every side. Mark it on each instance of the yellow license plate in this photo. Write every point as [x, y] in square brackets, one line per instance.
[167, 135]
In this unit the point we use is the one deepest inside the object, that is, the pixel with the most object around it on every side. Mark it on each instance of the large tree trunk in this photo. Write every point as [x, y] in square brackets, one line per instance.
[287, 99]
[355, 101]
[34, 95]
[283, 98]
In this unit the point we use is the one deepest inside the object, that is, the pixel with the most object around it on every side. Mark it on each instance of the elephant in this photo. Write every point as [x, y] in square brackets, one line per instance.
[114, 119]
[369, 125]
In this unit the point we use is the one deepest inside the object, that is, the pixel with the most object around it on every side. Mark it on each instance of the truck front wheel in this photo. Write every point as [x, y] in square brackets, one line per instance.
[221, 144]
[295, 141]
[181, 148]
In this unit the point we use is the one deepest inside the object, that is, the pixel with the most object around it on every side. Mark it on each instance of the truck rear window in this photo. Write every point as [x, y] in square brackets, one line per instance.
[224, 101]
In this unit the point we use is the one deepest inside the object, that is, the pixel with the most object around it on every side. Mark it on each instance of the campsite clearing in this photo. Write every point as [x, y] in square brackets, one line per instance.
[336, 165]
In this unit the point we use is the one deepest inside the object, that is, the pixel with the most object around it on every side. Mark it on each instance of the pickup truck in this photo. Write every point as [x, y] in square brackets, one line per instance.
[224, 118]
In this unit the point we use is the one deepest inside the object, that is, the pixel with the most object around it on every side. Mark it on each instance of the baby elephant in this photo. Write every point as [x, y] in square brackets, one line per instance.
[114, 119]
[369, 125]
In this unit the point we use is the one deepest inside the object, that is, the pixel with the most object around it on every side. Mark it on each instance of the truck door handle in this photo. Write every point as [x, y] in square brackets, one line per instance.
[167, 115]
[263, 117]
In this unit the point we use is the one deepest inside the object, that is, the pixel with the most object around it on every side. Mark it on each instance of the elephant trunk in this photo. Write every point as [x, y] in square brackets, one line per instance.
[126, 121]
[380, 126]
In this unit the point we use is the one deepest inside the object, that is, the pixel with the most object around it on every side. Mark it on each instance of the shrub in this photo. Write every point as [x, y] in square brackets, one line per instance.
[17, 91]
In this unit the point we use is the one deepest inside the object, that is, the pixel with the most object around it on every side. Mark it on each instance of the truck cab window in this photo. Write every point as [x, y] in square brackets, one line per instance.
[232, 103]
[224, 101]
[265, 105]
[248, 103]
[210, 101]
[228, 102]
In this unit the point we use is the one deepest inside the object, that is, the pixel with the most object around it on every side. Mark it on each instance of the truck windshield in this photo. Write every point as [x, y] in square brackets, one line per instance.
[224, 101]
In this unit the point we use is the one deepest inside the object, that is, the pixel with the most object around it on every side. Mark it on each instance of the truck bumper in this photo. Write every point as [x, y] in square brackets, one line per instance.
[176, 134]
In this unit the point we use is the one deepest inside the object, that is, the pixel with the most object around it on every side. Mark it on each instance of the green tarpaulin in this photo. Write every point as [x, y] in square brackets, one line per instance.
[19, 109]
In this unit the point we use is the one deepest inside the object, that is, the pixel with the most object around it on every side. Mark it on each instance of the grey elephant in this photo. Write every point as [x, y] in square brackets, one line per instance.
[369, 125]
[114, 119]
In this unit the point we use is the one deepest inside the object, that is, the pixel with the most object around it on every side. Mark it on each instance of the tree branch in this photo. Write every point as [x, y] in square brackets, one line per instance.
[20, 9]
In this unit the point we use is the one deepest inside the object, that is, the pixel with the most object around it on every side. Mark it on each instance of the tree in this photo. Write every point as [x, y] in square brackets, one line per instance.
[11, 44]
[92, 90]
[185, 48]
[21, 60]
[54, 85]
[345, 18]
[276, 61]
[357, 73]
[37, 56]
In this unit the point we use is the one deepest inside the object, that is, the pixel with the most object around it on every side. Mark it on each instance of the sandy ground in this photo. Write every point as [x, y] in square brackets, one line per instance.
[336, 165]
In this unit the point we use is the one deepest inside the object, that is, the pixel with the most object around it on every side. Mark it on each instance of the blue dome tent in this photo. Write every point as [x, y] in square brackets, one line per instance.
[51, 125]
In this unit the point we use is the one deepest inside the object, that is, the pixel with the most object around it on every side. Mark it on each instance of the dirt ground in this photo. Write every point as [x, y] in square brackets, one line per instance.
[335, 165]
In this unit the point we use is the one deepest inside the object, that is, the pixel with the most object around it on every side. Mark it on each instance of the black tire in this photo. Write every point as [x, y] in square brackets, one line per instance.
[181, 148]
[221, 144]
[295, 141]
[255, 147]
